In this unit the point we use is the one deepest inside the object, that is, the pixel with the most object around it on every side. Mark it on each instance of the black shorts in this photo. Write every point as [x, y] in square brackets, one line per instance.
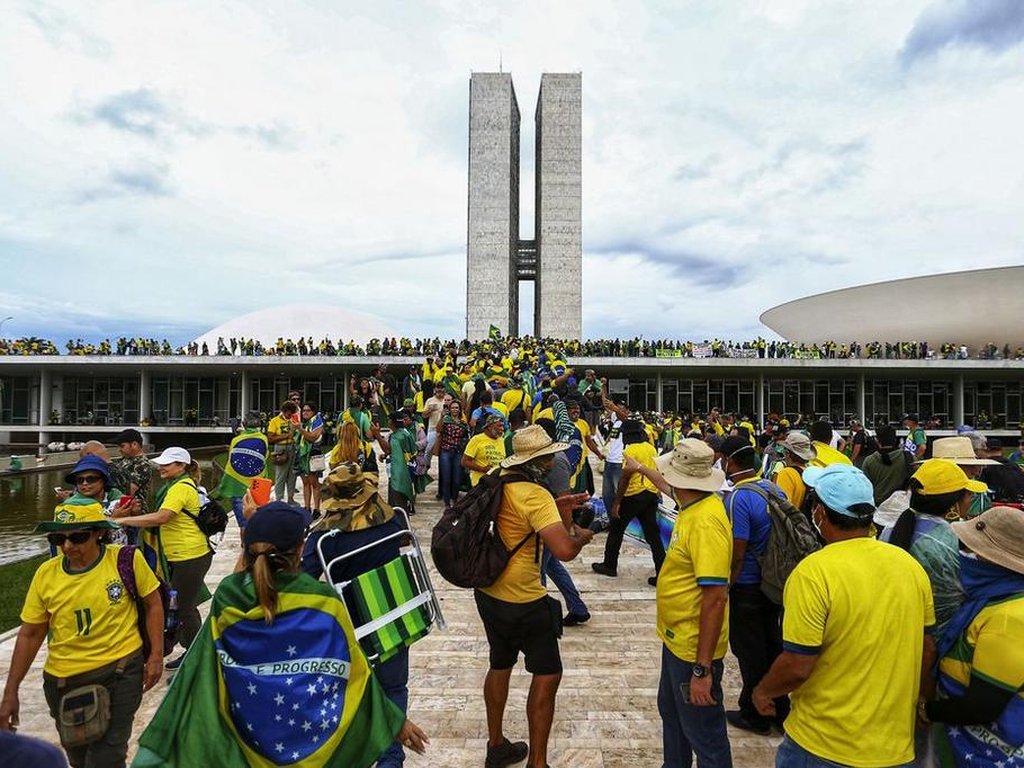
[533, 628]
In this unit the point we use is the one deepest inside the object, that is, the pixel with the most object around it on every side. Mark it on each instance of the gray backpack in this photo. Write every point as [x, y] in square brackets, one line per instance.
[791, 539]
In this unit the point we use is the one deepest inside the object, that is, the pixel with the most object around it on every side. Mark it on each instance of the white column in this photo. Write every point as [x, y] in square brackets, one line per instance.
[659, 401]
[958, 401]
[244, 400]
[759, 400]
[145, 395]
[45, 403]
[861, 400]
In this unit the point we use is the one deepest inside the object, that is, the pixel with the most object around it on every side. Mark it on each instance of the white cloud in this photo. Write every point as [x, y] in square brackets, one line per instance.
[174, 165]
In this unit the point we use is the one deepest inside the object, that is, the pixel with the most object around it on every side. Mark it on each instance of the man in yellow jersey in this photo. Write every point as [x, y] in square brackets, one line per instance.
[280, 437]
[517, 614]
[821, 434]
[853, 663]
[691, 600]
[484, 451]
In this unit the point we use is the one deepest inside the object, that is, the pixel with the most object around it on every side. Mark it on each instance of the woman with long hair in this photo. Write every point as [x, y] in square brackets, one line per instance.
[453, 434]
[349, 447]
[940, 493]
[311, 434]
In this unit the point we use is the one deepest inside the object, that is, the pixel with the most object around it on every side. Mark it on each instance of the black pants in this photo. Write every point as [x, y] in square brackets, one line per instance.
[644, 507]
[755, 634]
[187, 579]
[125, 697]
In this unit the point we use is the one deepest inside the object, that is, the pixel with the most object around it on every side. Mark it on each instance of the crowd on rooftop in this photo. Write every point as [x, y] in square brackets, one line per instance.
[633, 347]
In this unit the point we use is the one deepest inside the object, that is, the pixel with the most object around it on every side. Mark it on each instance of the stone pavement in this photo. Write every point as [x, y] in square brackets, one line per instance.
[606, 716]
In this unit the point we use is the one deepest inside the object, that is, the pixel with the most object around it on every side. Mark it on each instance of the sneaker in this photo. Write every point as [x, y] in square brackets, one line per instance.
[652, 580]
[603, 569]
[738, 720]
[174, 663]
[574, 619]
[506, 753]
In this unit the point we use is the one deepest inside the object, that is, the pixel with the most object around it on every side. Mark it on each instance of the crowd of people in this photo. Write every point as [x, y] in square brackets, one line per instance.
[404, 347]
[870, 587]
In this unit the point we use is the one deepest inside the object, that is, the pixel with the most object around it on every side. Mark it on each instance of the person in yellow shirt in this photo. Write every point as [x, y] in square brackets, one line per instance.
[174, 530]
[78, 604]
[825, 455]
[281, 439]
[853, 663]
[692, 622]
[486, 450]
[636, 496]
[797, 451]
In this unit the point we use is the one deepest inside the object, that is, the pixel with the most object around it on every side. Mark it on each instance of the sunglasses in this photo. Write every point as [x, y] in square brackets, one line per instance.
[77, 538]
[88, 479]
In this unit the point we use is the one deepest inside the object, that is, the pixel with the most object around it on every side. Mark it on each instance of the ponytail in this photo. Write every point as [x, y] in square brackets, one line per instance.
[264, 562]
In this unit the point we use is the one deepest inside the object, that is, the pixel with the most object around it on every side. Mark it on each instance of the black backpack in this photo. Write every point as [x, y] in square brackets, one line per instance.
[791, 539]
[465, 545]
[126, 571]
[212, 518]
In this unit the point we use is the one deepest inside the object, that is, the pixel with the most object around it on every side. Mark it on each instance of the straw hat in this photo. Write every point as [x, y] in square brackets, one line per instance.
[531, 443]
[997, 535]
[689, 466]
[800, 445]
[959, 450]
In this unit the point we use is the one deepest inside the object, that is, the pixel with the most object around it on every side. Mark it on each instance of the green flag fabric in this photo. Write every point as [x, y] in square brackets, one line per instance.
[296, 692]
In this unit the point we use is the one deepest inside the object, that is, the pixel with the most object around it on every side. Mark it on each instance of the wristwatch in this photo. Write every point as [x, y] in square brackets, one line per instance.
[699, 670]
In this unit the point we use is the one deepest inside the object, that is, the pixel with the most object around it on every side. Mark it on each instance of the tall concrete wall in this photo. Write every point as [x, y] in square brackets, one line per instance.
[492, 289]
[558, 308]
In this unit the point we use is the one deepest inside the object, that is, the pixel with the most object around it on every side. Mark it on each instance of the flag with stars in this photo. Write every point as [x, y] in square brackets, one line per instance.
[246, 460]
[296, 692]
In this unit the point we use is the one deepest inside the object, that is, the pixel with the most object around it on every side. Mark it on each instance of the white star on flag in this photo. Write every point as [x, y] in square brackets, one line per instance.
[279, 747]
[307, 725]
[291, 650]
[311, 689]
[277, 718]
[288, 681]
[279, 699]
[252, 689]
[291, 721]
[295, 755]
[324, 725]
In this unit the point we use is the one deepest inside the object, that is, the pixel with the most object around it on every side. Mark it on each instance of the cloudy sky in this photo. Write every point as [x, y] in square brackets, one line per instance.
[165, 166]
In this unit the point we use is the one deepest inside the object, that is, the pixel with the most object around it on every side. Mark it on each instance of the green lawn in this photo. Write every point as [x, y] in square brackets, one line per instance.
[14, 581]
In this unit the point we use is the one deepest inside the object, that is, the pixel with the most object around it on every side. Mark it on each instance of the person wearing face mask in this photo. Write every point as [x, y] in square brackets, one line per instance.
[940, 492]
[853, 664]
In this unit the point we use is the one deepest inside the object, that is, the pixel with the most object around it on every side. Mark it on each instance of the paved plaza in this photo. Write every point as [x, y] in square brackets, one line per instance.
[606, 715]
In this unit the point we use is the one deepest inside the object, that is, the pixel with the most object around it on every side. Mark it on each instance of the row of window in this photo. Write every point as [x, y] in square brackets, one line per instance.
[177, 400]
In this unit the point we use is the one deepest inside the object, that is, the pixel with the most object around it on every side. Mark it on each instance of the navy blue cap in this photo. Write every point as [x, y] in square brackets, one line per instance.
[87, 462]
[278, 523]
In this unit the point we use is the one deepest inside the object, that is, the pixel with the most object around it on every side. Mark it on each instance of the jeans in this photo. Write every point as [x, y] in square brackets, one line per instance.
[792, 755]
[553, 567]
[236, 507]
[610, 483]
[284, 481]
[393, 676]
[644, 507]
[755, 636]
[431, 440]
[187, 579]
[125, 697]
[688, 729]
[450, 466]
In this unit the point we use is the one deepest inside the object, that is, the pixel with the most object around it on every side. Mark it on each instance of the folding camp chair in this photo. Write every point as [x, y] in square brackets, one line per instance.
[391, 606]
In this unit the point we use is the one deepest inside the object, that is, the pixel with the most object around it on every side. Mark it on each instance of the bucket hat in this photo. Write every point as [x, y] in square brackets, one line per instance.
[75, 516]
[351, 501]
[996, 535]
[800, 445]
[938, 476]
[689, 466]
[531, 443]
[959, 450]
[90, 462]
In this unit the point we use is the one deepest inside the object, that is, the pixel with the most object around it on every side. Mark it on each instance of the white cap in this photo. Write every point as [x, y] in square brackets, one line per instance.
[171, 455]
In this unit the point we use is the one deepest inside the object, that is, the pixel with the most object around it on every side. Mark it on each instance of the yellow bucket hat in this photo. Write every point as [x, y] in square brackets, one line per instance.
[938, 476]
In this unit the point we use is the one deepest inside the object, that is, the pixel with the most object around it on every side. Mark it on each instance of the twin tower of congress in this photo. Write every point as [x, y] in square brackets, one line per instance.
[497, 259]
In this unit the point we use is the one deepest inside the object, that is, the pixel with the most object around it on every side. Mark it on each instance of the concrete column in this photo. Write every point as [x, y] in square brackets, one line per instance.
[759, 401]
[958, 400]
[344, 389]
[145, 395]
[244, 395]
[45, 402]
[659, 399]
[861, 399]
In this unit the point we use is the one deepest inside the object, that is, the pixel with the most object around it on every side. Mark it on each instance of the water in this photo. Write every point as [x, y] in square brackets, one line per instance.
[28, 498]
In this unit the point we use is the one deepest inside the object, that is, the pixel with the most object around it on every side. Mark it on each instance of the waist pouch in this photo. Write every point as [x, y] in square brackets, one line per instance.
[83, 715]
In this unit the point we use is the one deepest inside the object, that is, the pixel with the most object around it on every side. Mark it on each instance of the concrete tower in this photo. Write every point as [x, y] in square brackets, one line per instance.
[497, 260]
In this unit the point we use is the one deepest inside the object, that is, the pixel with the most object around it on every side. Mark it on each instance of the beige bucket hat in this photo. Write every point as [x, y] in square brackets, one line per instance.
[689, 466]
[997, 535]
[959, 450]
[800, 444]
[531, 443]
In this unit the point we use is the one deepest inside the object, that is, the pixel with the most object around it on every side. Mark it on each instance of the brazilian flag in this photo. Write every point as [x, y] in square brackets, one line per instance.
[246, 460]
[296, 692]
[494, 333]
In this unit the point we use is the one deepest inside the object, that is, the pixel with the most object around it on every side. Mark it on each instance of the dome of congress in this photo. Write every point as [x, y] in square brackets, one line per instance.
[973, 307]
[294, 321]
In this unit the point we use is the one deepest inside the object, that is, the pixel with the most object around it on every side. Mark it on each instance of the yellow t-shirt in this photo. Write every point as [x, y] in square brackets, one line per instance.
[827, 455]
[525, 507]
[278, 426]
[180, 536]
[645, 454]
[486, 450]
[792, 484]
[859, 705]
[584, 429]
[699, 555]
[514, 398]
[92, 620]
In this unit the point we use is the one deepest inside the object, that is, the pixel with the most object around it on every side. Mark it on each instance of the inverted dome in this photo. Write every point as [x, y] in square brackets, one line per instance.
[291, 321]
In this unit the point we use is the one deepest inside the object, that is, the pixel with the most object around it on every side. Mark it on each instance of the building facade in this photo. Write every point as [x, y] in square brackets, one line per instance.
[497, 259]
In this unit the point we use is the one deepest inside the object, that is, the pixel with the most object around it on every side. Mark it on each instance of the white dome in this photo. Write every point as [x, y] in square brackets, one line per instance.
[292, 321]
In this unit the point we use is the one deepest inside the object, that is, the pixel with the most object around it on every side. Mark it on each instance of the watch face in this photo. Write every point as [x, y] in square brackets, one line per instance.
[699, 670]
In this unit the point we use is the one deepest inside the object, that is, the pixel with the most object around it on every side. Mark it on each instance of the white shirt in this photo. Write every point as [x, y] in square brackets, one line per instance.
[614, 451]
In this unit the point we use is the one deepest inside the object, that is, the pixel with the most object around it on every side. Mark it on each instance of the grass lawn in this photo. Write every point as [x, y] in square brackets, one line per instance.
[15, 579]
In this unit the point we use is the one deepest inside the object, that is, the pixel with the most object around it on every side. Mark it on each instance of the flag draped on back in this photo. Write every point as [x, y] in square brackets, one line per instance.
[246, 460]
[298, 691]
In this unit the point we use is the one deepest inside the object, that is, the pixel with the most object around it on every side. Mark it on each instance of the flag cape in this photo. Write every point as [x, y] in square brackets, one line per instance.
[246, 460]
[296, 692]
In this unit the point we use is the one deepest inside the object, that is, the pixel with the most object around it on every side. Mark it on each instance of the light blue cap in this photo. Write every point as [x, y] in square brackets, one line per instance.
[843, 489]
